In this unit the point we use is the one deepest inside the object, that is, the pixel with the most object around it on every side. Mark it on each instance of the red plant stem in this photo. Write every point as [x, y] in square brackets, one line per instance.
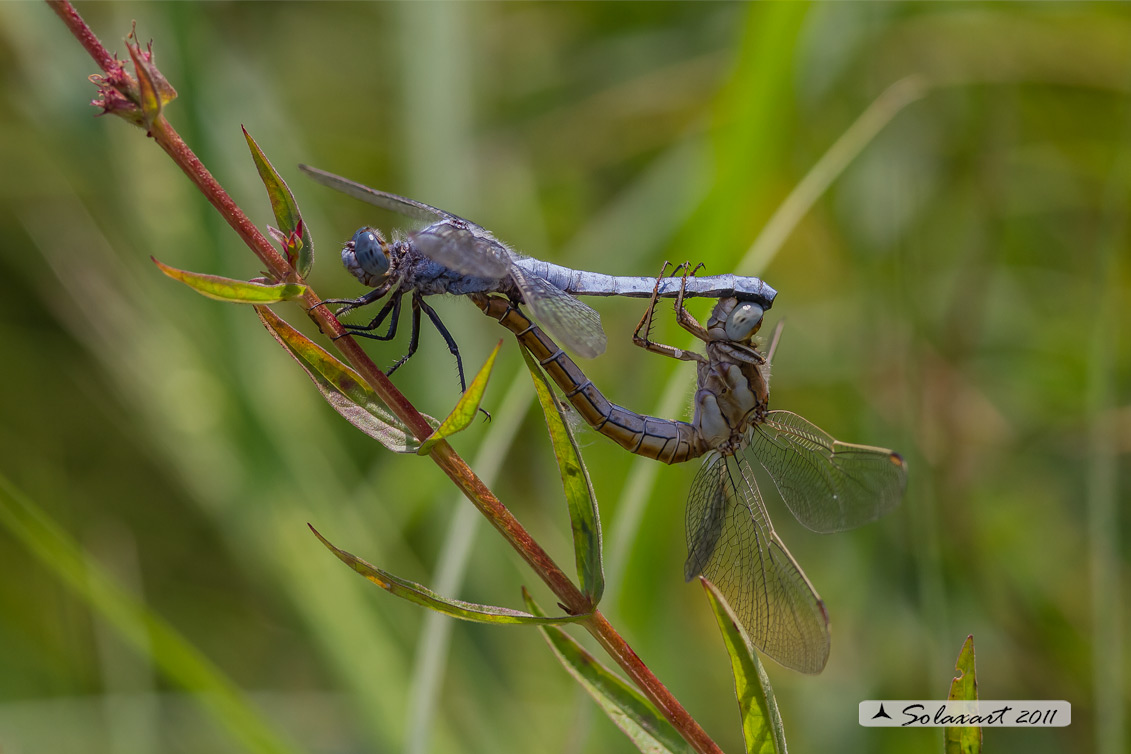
[84, 35]
[169, 140]
[647, 682]
[443, 454]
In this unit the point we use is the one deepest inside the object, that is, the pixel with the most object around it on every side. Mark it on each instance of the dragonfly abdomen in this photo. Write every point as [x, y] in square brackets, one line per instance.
[661, 439]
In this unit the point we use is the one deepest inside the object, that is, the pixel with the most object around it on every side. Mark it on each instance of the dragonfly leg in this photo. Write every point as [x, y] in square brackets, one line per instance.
[353, 303]
[393, 305]
[413, 338]
[645, 325]
[418, 306]
[646, 321]
[687, 266]
[682, 316]
[439, 325]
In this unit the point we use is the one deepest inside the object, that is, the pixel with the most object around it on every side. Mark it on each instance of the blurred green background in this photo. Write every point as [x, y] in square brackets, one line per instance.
[957, 293]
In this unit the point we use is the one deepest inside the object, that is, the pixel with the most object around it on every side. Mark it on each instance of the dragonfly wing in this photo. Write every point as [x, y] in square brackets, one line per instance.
[575, 324]
[828, 485]
[464, 247]
[399, 204]
[731, 542]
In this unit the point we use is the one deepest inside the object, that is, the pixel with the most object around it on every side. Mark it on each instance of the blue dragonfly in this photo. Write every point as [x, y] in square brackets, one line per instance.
[452, 255]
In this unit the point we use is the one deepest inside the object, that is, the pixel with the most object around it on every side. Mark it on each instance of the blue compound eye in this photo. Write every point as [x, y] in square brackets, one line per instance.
[365, 254]
[744, 321]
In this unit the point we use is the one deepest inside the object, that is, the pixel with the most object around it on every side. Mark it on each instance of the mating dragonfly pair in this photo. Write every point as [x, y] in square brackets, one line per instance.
[828, 485]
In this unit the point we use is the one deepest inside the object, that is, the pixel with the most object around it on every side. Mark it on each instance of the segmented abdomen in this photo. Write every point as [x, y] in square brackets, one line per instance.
[662, 439]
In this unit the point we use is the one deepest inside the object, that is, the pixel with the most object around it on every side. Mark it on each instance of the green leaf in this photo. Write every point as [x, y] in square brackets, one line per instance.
[761, 722]
[180, 663]
[964, 687]
[414, 592]
[637, 717]
[154, 90]
[299, 247]
[233, 291]
[343, 388]
[582, 500]
[465, 410]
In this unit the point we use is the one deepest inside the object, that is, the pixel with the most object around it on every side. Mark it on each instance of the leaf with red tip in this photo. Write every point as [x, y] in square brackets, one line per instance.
[964, 739]
[233, 291]
[296, 241]
[344, 389]
[154, 90]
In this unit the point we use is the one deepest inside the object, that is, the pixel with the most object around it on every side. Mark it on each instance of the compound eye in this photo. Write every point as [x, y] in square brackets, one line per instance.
[744, 321]
[368, 251]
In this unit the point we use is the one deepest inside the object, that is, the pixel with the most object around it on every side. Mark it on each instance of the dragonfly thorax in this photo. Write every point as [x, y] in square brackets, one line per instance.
[732, 396]
[366, 256]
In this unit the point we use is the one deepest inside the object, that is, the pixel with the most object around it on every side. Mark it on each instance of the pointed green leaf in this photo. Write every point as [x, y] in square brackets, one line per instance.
[761, 722]
[301, 248]
[637, 717]
[149, 101]
[964, 687]
[154, 90]
[233, 291]
[179, 662]
[343, 388]
[414, 592]
[465, 410]
[582, 500]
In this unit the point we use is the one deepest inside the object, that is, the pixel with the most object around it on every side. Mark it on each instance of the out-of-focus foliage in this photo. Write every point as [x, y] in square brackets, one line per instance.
[964, 687]
[957, 294]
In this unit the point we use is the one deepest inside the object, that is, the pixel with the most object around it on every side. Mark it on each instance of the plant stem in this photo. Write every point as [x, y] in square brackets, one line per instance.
[67, 13]
[445, 457]
[647, 682]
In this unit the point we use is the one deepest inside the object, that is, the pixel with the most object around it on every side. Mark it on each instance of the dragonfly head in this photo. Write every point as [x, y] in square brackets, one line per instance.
[366, 256]
[739, 320]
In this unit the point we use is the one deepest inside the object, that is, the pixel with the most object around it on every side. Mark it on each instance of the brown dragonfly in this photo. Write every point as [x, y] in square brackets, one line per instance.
[828, 485]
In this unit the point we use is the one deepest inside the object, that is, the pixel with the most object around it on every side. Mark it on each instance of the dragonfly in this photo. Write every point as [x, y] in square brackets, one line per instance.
[452, 255]
[828, 485]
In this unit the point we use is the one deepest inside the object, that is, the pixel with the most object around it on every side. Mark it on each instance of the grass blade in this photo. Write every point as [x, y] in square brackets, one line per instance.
[425, 597]
[584, 517]
[761, 722]
[180, 662]
[637, 717]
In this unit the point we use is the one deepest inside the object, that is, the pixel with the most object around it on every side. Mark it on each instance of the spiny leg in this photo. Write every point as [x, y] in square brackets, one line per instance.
[452, 346]
[646, 325]
[355, 303]
[682, 316]
[393, 305]
[646, 321]
[413, 338]
[439, 325]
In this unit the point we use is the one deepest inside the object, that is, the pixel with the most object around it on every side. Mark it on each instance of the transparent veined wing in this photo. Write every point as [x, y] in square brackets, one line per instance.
[574, 324]
[731, 541]
[383, 199]
[454, 242]
[828, 485]
[464, 247]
